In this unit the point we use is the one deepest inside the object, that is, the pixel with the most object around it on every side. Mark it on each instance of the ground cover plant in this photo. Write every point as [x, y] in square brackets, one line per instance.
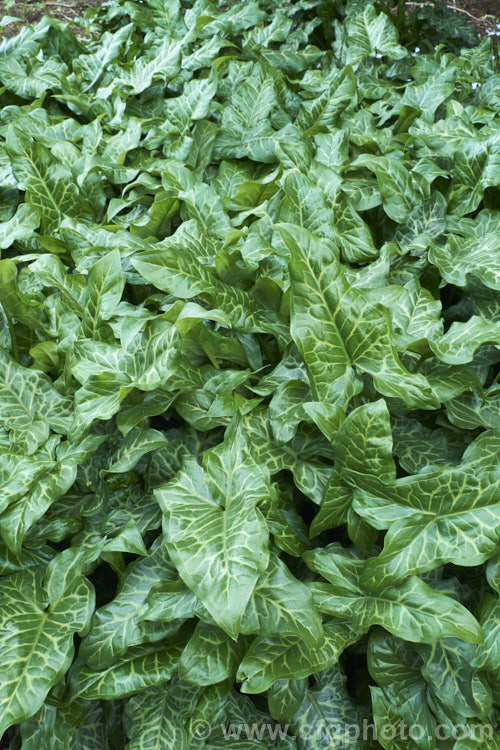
[249, 397]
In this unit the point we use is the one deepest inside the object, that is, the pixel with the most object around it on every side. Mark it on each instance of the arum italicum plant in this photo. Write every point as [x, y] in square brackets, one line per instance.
[249, 402]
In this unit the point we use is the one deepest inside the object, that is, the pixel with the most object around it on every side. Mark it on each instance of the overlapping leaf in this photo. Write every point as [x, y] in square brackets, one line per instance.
[249, 347]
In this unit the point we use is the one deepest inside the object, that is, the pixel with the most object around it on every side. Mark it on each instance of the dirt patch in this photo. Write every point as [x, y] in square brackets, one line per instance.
[483, 7]
[32, 11]
[482, 14]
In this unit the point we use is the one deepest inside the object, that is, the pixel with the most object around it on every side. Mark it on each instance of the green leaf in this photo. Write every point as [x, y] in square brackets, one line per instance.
[104, 291]
[21, 227]
[285, 698]
[280, 604]
[155, 720]
[49, 186]
[327, 711]
[353, 235]
[323, 111]
[410, 609]
[487, 655]
[174, 271]
[54, 728]
[397, 189]
[420, 448]
[271, 659]
[452, 681]
[99, 398]
[16, 304]
[461, 340]
[249, 391]
[482, 453]
[36, 633]
[368, 33]
[17, 520]
[416, 319]
[431, 93]
[210, 656]
[30, 405]
[30, 82]
[476, 257]
[116, 626]
[403, 693]
[362, 443]
[217, 505]
[141, 667]
[285, 409]
[444, 516]
[139, 74]
[355, 333]
[136, 444]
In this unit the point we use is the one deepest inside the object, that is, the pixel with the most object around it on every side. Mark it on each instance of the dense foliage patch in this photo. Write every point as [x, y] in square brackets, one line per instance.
[248, 380]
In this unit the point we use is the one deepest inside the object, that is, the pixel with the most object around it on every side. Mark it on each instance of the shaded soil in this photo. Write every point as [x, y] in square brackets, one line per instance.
[31, 11]
[483, 14]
